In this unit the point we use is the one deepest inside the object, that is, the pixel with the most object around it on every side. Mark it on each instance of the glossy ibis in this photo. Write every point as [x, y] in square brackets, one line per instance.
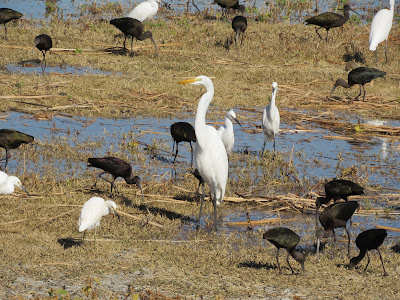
[335, 216]
[44, 43]
[8, 184]
[91, 213]
[210, 153]
[338, 189]
[134, 29]
[183, 132]
[380, 29]
[358, 76]
[283, 237]
[369, 240]
[11, 139]
[145, 10]
[226, 133]
[239, 26]
[199, 178]
[6, 15]
[329, 20]
[271, 118]
[229, 4]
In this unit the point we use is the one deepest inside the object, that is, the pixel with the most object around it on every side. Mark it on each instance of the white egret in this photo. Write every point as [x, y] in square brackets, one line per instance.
[91, 213]
[226, 133]
[380, 28]
[8, 184]
[271, 119]
[145, 10]
[210, 154]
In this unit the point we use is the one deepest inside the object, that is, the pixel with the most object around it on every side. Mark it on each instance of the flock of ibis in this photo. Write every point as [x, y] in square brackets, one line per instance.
[212, 147]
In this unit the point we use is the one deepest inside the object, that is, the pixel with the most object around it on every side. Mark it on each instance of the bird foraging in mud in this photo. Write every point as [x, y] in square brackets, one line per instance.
[6, 15]
[183, 132]
[8, 184]
[239, 26]
[133, 28]
[44, 43]
[145, 10]
[358, 76]
[226, 133]
[11, 139]
[271, 119]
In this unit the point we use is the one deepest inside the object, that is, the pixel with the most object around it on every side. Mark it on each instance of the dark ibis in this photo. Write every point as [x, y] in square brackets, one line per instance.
[338, 189]
[226, 133]
[271, 118]
[239, 26]
[11, 139]
[145, 10]
[369, 240]
[44, 43]
[183, 132]
[335, 216]
[360, 76]
[199, 178]
[380, 29]
[329, 20]
[230, 4]
[6, 15]
[283, 237]
[133, 28]
[8, 184]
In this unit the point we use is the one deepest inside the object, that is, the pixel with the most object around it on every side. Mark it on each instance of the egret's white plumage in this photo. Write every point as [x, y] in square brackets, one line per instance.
[92, 212]
[226, 133]
[210, 154]
[145, 10]
[271, 119]
[380, 28]
[8, 184]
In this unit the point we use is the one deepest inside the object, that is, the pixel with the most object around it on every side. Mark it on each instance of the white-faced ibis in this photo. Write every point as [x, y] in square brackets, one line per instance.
[145, 10]
[358, 76]
[369, 240]
[91, 213]
[183, 132]
[338, 189]
[6, 15]
[329, 20]
[44, 43]
[226, 133]
[380, 29]
[335, 216]
[283, 237]
[8, 184]
[134, 29]
[11, 139]
[230, 4]
[239, 26]
[210, 153]
[271, 119]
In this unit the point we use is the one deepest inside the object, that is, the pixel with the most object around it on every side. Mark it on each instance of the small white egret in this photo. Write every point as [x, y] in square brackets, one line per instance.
[91, 213]
[380, 28]
[271, 119]
[226, 133]
[8, 184]
[145, 10]
[210, 154]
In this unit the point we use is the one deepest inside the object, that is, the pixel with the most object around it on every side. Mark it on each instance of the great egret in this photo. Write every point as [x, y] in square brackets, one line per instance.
[134, 29]
[380, 29]
[44, 43]
[329, 20]
[91, 213]
[8, 184]
[358, 76]
[210, 154]
[335, 216]
[183, 132]
[6, 15]
[11, 139]
[226, 133]
[271, 119]
[369, 240]
[283, 237]
[145, 10]
[239, 26]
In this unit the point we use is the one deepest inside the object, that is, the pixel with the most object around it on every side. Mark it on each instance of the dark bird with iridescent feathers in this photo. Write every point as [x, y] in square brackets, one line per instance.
[44, 43]
[11, 139]
[6, 15]
[229, 4]
[239, 26]
[183, 132]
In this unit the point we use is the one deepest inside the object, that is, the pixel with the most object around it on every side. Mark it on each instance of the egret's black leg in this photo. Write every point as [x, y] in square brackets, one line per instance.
[201, 208]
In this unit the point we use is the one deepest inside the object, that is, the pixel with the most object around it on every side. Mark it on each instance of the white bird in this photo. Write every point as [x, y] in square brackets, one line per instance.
[380, 28]
[145, 10]
[91, 213]
[226, 133]
[271, 119]
[8, 184]
[210, 154]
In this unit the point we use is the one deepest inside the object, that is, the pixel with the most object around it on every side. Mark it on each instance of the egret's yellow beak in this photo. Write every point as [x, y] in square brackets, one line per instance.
[189, 81]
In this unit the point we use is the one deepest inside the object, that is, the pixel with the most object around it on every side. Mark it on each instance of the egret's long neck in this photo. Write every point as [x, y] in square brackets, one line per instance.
[273, 97]
[202, 108]
[392, 6]
[228, 123]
